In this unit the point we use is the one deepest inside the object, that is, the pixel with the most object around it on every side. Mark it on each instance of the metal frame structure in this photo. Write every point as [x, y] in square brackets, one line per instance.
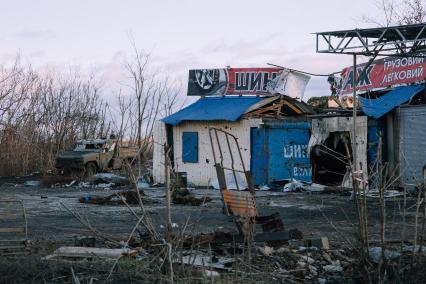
[241, 205]
[403, 41]
[407, 40]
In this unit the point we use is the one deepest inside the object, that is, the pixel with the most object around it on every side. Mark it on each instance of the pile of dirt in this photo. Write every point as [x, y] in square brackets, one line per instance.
[183, 197]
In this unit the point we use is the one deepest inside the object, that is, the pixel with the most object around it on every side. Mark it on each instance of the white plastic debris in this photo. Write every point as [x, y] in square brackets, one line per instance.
[294, 185]
[335, 267]
[32, 183]
[374, 193]
[109, 177]
[230, 182]
[264, 188]
[316, 187]
[71, 183]
[416, 249]
[84, 184]
[308, 259]
[105, 185]
[376, 254]
[266, 250]
[141, 184]
[211, 273]
[206, 261]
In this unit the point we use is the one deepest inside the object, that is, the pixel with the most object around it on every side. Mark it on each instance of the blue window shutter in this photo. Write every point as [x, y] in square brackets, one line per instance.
[190, 147]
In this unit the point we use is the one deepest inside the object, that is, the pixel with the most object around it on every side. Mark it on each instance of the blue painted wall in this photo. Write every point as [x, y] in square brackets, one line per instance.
[280, 151]
[190, 147]
[376, 127]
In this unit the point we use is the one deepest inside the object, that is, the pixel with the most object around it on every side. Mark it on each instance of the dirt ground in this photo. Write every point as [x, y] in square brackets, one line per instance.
[51, 225]
[313, 214]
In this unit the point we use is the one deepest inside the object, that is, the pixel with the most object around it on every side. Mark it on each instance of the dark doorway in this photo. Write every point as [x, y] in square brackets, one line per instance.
[330, 160]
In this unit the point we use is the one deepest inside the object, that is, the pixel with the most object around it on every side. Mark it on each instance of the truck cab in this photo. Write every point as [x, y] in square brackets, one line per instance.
[88, 157]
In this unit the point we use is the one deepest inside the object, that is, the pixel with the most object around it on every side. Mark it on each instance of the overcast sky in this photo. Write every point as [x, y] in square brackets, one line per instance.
[185, 34]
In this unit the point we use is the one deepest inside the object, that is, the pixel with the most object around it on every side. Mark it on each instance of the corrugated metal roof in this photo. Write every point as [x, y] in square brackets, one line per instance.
[213, 108]
[381, 106]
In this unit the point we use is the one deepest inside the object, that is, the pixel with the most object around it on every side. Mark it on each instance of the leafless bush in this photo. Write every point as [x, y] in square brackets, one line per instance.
[41, 115]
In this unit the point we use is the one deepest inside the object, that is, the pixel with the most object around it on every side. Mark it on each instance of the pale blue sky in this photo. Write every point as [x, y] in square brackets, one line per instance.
[94, 35]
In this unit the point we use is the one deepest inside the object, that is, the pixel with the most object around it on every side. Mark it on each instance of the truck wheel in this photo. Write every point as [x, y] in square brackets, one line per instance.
[89, 170]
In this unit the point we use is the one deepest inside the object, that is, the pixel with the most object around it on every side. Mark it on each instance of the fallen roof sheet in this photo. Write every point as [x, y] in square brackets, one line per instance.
[381, 106]
[213, 108]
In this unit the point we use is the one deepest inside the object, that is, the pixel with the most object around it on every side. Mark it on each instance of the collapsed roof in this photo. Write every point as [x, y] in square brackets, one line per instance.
[232, 108]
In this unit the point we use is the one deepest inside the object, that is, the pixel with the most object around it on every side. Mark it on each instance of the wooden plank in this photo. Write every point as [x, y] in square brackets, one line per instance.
[8, 216]
[12, 241]
[90, 252]
[290, 105]
[12, 230]
[11, 247]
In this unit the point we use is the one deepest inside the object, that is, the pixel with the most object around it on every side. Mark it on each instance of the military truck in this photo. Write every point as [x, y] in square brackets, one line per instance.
[94, 155]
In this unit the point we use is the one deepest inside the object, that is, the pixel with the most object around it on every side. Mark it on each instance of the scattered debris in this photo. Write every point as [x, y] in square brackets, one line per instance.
[376, 254]
[184, 197]
[129, 197]
[241, 183]
[88, 252]
[141, 184]
[109, 178]
[71, 183]
[264, 188]
[295, 185]
[202, 260]
[320, 242]
[389, 193]
[266, 250]
[32, 183]
[335, 267]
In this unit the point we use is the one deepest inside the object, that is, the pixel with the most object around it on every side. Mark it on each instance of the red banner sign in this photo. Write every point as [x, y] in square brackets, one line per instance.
[383, 73]
[230, 81]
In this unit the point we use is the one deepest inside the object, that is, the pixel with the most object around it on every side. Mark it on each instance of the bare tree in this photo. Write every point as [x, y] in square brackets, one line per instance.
[154, 97]
[393, 12]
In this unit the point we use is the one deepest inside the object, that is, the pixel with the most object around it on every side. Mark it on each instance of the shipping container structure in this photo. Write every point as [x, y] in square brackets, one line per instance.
[399, 116]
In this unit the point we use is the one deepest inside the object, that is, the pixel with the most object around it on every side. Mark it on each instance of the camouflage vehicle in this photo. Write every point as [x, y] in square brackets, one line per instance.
[94, 155]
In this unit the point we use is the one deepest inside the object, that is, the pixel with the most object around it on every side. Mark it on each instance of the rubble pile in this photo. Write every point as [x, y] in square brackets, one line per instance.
[119, 198]
[182, 196]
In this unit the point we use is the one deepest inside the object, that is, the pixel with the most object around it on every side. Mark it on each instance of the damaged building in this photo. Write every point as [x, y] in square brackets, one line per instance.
[273, 135]
[281, 138]
[272, 130]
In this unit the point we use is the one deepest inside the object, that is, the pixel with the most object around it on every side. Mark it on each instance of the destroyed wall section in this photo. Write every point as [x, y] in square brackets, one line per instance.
[321, 127]
[160, 138]
[203, 173]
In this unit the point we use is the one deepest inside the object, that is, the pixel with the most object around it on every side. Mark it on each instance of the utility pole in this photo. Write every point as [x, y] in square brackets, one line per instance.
[354, 80]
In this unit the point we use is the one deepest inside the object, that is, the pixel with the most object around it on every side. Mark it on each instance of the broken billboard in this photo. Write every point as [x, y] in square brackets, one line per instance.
[247, 81]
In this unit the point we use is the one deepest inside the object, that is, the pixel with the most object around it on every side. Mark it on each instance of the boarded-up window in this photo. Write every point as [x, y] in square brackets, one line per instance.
[190, 147]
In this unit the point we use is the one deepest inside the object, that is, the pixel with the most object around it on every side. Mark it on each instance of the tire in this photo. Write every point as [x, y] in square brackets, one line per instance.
[90, 170]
